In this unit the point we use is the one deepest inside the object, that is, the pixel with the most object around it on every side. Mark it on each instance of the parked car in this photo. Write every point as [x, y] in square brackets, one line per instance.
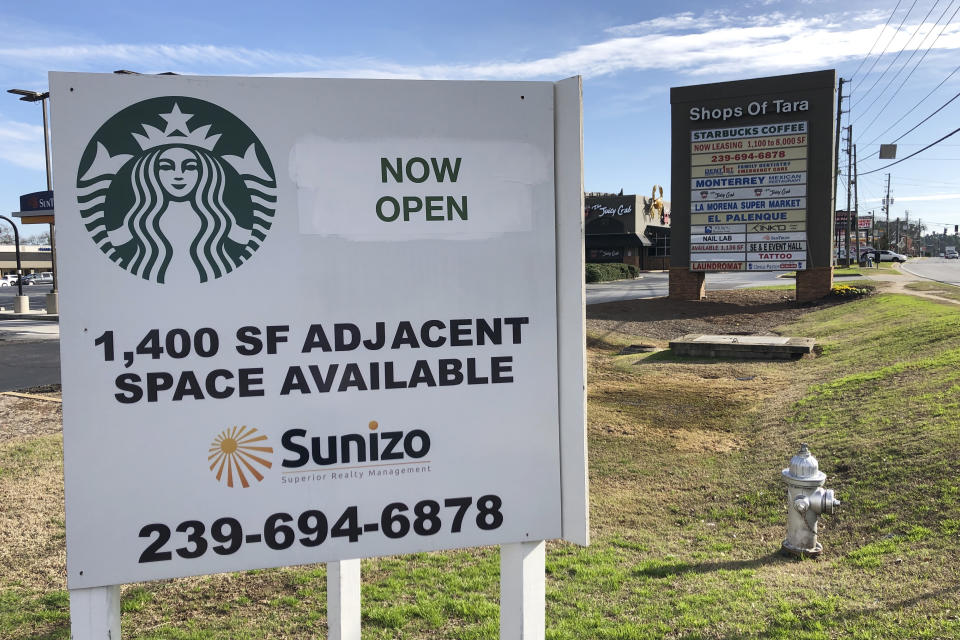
[884, 255]
[38, 278]
[8, 280]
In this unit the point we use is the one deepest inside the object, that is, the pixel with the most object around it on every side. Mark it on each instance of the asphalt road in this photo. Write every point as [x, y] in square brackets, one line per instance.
[37, 295]
[29, 364]
[939, 269]
[29, 352]
[655, 284]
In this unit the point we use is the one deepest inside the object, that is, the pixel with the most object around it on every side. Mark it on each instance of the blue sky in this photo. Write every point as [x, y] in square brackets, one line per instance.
[629, 54]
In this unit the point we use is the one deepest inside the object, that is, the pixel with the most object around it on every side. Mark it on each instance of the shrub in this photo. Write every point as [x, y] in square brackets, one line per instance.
[593, 273]
[605, 271]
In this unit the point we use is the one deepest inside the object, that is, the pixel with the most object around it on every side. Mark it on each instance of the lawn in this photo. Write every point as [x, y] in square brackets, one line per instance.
[686, 503]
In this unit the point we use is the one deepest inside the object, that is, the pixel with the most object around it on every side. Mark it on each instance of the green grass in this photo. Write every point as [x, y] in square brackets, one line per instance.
[948, 291]
[687, 509]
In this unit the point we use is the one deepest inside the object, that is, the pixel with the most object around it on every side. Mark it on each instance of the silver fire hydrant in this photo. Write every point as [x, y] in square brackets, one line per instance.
[806, 500]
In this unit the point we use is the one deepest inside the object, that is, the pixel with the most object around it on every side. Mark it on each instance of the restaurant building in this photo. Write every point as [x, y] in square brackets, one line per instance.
[627, 228]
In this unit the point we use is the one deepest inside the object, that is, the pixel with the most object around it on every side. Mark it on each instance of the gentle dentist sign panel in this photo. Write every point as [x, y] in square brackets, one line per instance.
[322, 327]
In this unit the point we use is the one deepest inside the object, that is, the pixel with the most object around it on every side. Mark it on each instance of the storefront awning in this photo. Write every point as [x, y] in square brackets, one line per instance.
[609, 240]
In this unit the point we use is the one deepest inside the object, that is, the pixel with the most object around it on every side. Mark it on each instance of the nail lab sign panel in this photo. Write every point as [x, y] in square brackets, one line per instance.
[391, 386]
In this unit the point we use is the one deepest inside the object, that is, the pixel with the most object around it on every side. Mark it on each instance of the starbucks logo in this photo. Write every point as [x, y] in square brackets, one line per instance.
[176, 190]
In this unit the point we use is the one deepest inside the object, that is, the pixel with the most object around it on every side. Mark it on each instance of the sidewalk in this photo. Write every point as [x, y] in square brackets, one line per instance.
[28, 327]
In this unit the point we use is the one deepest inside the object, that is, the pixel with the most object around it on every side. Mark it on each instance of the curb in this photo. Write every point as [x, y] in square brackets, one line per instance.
[33, 315]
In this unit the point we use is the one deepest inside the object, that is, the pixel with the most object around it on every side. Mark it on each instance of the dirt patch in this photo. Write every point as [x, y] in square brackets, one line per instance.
[22, 417]
[738, 311]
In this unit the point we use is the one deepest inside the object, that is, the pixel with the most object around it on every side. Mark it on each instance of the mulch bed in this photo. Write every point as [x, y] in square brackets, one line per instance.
[730, 312]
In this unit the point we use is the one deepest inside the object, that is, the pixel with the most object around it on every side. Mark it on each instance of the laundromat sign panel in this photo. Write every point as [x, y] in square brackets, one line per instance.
[756, 155]
[307, 340]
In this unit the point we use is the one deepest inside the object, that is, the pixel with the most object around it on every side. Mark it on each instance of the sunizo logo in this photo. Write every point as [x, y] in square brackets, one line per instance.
[236, 453]
[373, 446]
[176, 190]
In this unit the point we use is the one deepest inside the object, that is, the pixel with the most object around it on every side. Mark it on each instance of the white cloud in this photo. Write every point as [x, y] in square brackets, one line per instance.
[923, 198]
[712, 44]
[935, 196]
[22, 144]
[678, 22]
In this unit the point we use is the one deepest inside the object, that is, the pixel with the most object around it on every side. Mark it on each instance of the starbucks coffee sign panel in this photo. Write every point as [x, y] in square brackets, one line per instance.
[304, 330]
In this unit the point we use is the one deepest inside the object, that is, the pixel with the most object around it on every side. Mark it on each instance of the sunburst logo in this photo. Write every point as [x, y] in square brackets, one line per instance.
[237, 452]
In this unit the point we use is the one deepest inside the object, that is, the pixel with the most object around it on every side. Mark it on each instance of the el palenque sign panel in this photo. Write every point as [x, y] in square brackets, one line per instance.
[752, 163]
[307, 329]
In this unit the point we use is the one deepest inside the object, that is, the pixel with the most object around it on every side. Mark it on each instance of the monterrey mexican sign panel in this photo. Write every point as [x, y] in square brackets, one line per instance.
[319, 327]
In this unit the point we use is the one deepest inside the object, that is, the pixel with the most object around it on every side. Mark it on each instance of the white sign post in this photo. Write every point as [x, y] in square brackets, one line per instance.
[341, 325]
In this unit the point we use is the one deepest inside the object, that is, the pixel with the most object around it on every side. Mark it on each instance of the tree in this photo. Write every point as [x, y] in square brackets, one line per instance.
[6, 237]
[42, 239]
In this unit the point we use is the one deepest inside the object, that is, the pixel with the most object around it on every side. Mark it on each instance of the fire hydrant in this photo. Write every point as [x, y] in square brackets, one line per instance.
[806, 500]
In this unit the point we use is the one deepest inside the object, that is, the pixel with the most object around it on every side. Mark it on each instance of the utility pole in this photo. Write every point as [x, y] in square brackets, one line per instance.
[906, 227]
[836, 158]
[856, 203]
[846, 229]
[886, 208]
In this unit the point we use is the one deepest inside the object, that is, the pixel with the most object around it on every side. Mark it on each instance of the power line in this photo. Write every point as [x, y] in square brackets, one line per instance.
[900, 53]
[914, 153]
[875, 43]
[916, 66]
[883, 52]
[921, 101]
[932, 114]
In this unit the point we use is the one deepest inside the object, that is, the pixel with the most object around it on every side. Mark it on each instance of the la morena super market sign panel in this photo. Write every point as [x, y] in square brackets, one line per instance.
[322, 328]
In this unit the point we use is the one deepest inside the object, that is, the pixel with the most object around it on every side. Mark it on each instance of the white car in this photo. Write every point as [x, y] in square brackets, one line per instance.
[8, 280]
[885, 255]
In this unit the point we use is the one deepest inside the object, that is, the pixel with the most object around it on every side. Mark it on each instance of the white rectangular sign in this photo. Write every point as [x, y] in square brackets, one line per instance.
[774, 236]
[749, 168]
[779, 191]
[771, 227]
[776, 142]
[775, 265]
[718, 237]
[787, 245]
[772, 179]
[710, 229]
[711, 159]
[793, 215]
[723, 246]
[776, 255]
[297, 331]
[749, 205]
[749, 131]
[699, 264]
[717, 256]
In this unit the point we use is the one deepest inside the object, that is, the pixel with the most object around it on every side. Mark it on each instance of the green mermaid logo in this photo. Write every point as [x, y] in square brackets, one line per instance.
[176, 190]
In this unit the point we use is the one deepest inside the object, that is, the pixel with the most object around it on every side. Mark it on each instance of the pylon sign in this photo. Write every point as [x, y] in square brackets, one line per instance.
[753, 152]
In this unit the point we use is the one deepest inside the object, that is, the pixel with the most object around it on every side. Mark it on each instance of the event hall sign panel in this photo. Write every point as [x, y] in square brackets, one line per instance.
[311, 329]
[752, 165]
